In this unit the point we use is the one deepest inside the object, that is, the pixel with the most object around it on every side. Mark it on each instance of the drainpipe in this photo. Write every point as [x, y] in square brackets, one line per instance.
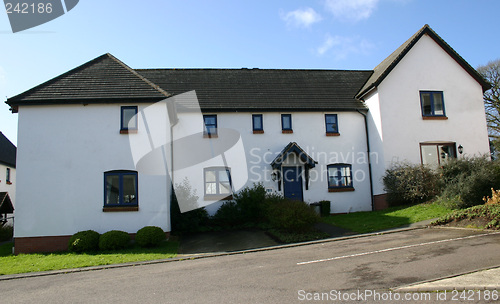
[369, 159]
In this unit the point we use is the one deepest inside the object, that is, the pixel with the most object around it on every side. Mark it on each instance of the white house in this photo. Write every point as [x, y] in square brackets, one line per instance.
[7, 179]
[101, 145]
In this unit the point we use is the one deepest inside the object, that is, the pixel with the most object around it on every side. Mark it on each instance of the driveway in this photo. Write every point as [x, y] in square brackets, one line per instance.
[374, 263]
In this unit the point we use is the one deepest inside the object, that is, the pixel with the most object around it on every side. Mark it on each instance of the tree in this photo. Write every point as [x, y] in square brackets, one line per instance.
[491, 72]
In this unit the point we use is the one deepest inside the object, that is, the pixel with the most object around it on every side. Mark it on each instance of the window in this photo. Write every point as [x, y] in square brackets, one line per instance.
[436, 154]
[432, 104]
[339, 177]
[257, 123]
[217, 182]
[128, 122]
[7, 177]
[120, 189]
[286, 123]
[331, 124]
[210, 122]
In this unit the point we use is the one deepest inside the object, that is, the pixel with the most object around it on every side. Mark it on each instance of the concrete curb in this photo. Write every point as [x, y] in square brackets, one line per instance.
[433, 285]
[200, 256]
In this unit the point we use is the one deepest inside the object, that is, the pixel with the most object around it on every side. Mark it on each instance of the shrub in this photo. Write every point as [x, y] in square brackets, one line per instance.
[409, 184]
[250, 202]
[293, 216]
[494, 199]
[470, 179]
[191, 221]
[150, 236]
[113, 240]
[6, 233]
[246, 208]
[228, 215]
[84, 241]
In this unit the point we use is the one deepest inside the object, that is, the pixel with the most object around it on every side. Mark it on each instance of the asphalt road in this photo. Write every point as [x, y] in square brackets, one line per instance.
[352, 267]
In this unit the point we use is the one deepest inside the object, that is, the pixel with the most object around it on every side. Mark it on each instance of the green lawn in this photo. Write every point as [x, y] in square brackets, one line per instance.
[363, 222]
[22, 263]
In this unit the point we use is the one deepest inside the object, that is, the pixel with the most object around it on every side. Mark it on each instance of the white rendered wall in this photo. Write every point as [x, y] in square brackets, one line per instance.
[310, 134]
[4, 187]
[427, 67]
[63, 152]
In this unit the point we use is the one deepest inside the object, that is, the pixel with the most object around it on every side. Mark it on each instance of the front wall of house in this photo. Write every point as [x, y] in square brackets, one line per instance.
[250, 163]
[62, 156]
[427, 67]
[8, 186]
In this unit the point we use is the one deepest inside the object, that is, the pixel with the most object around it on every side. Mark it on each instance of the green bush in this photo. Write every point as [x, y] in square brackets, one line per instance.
[150, 236]
[6, 233]
[250, 202]
[292, 216]
[191, 221]
[228, 215]
[468, 180]
[246, 209]
[410, 184]
[84, 241]
[113, 240]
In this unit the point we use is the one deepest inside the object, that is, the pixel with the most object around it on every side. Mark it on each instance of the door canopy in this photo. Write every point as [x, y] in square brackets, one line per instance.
[293, 148]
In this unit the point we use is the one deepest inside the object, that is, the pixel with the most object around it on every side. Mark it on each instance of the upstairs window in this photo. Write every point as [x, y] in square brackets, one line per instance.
[210, 122]
[7, 176]
[339, 176]
[432, 103]
[128, 121]
[331, 124]
[217, 182]
[257, 124]
[120, 189]
[286, 123]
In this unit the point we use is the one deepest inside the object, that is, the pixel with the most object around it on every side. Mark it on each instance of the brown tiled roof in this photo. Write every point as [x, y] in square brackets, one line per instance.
[103, 79]
[264, 89]
[7, 151]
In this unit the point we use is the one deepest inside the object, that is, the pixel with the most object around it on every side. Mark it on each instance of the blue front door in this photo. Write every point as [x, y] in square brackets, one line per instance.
[292, 183]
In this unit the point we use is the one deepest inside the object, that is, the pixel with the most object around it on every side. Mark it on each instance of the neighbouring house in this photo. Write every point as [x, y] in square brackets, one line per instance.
[7, 179]
[88, 137]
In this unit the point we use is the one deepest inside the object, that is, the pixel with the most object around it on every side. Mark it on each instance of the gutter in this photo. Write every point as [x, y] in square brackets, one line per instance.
[369, 160]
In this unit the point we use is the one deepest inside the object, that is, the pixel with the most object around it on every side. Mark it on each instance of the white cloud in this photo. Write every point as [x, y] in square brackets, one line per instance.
[301, 17]
[341, 47]
[351, 10]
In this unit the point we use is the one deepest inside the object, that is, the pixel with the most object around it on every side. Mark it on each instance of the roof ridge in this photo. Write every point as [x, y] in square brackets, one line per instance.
[252, 69]
[153, 85]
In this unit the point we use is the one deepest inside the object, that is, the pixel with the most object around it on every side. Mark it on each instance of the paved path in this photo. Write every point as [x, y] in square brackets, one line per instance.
[375, 263]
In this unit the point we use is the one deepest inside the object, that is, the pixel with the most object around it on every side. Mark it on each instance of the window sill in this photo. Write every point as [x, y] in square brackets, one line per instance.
[128, 131]
[258, 131]
[211, 197]
[332, 134]
[120, 209]
[347, 189]
[287, 131]
[434, 117]
[210, 135]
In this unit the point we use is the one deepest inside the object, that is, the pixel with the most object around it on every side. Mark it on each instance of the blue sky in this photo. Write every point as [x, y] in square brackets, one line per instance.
[287, 34]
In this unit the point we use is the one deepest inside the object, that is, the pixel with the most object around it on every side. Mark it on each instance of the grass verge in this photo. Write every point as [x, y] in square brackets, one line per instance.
[22, 263]
[482, 216]
[364, 222]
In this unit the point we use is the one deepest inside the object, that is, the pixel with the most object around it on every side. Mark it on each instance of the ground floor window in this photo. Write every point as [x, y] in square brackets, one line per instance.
[436, 154]
[217, 182]
[339, 176]
[120, 189]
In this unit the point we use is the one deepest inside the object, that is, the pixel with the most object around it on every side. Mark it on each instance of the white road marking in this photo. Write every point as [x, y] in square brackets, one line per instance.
[397, 248]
